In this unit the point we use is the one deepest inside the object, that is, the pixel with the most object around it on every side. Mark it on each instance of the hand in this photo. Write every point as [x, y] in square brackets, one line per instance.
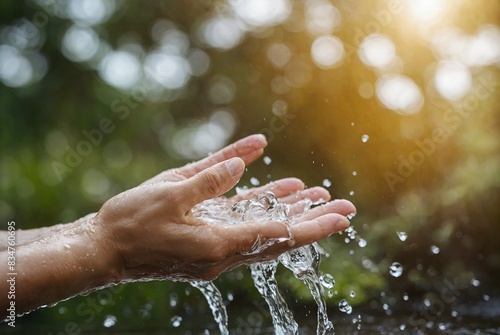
[154, 236]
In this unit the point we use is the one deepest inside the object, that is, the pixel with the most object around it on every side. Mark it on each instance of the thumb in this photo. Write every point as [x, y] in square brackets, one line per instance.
[210, 183]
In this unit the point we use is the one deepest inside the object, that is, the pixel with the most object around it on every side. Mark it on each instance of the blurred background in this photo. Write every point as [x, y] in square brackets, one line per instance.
[392, 104]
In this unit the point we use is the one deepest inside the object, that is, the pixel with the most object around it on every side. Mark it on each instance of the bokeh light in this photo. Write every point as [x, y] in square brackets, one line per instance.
[322, 17]
[90, 12]
[399, 93]
[327, 51]
[377, 51]
[453, 80]
[121, 69]
[221, 32]
[80, 43]
[258, 13]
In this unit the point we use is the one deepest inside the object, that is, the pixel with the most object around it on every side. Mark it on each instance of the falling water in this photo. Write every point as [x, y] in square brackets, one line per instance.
[216, 303]
[303, 261]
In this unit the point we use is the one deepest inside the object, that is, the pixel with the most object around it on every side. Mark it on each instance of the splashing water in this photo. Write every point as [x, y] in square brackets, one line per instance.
[303, 261]
[216, 303]
[396, 269]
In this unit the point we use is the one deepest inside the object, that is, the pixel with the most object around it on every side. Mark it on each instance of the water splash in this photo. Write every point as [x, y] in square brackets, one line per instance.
[303, 261]
[396, 269]
[216, 303]
[265, 282]
[402, 235]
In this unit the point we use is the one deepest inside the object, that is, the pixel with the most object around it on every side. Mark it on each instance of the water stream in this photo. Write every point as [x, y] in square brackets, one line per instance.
[303, 261]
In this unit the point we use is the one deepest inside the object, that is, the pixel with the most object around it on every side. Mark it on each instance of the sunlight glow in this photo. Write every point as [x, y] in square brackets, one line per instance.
[425, 9]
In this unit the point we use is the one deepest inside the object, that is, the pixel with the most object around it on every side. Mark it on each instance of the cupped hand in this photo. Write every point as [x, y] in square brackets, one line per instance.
[153, 235]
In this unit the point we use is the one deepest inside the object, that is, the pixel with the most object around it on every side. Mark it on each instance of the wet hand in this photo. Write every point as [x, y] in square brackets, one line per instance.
[153, 234]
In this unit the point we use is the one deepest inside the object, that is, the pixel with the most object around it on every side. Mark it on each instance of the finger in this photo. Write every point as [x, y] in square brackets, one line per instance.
[310, 231]
[248, 148]
[342, 207]
[243, 238]
[209, 183]
[314, 194]
[280, 188]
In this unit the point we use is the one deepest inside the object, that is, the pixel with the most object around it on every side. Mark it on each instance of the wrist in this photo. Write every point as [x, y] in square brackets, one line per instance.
[107, 256]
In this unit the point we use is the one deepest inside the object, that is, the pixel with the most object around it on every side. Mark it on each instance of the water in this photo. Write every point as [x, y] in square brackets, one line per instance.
[303, 261]
[396, 269]
[216, 303]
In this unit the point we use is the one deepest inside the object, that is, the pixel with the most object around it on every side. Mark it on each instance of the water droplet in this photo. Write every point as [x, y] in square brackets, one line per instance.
[352, 294]
[354, 173]
[345, 307]
[351, 193]
[396, 269]
[442, 326]
[435, 249]
[475, 282]
[327, 280]
[402, 235]
[352, 124]
[173, 299]
[330, 294]
[230, 296]
[327, 183]
[176, 321]
[454, 314]
[406, 297]
[362, 243]
[254, 181]
[350, 216]
[486, 297]
[109, 321]
[365, 138]
[67, 246]
[402, 327]
[267, 160]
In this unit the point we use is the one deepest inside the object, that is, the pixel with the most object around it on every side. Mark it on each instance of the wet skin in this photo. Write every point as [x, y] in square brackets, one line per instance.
[149, 233]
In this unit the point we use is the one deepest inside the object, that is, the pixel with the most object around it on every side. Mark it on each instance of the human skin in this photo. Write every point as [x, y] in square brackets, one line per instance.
[149, 233]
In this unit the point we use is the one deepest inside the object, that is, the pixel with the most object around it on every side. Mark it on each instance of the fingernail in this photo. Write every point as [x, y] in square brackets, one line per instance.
[235, 166]
[342, 225]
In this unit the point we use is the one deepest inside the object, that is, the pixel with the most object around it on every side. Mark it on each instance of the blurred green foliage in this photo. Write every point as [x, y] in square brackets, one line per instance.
[314, 118]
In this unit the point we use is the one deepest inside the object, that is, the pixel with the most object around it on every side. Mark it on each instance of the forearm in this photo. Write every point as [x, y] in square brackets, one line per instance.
[67, 263]
[24, 236]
